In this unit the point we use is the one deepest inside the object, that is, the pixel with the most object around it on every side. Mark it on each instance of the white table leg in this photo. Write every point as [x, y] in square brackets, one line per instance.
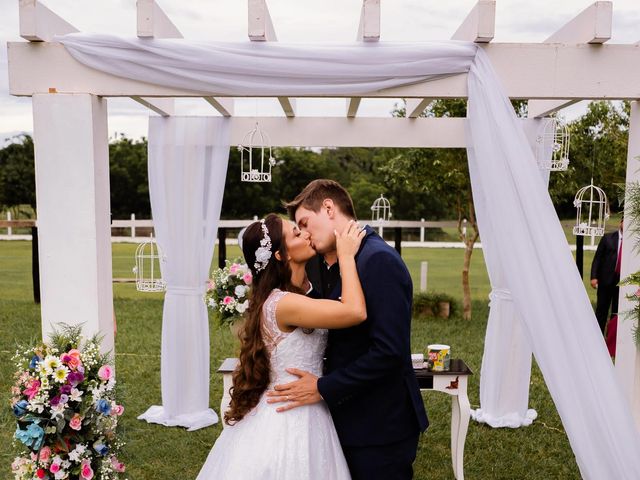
[461, 411]
[227, 382]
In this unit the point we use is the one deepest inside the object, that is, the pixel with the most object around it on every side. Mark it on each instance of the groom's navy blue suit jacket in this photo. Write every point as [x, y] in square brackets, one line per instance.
[369, 384]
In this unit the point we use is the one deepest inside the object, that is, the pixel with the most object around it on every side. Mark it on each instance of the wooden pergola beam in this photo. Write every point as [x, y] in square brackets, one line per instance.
[415, 106]
[592, 26]
[369, 27]
[528, 71]
[39, 24]
[223, 105]
[480, 24]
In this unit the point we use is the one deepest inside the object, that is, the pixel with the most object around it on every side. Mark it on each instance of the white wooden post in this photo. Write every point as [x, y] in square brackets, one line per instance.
[72, 192]
[9, 229]
[627, 356]
[422, 232]
[133, 225]
[424, 267]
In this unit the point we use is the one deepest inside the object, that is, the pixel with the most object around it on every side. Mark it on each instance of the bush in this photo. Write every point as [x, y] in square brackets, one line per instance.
[433, 304]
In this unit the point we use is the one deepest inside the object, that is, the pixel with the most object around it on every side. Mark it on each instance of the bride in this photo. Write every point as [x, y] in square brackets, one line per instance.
[284, 329]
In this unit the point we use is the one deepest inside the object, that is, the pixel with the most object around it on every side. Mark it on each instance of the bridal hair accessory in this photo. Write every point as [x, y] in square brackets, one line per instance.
[263, 253]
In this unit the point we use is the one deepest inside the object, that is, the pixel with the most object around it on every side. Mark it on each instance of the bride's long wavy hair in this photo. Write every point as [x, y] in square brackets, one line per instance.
[251, 378]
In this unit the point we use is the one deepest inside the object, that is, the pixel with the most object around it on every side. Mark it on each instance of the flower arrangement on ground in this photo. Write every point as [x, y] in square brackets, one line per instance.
[228, 291]
[64, 402]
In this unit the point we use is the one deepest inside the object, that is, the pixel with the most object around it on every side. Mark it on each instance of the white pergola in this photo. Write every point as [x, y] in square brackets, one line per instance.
[70, 131]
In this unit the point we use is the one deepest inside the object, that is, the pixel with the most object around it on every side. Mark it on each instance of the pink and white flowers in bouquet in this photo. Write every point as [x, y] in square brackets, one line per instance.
[66, 413]
[228, 291]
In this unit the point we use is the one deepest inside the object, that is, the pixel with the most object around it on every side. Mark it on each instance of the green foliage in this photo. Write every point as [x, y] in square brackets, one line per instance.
[431, 304]
[129, 178]
[17, 174]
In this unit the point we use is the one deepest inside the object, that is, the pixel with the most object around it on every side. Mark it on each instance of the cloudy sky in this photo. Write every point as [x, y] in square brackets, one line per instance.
[295, 21]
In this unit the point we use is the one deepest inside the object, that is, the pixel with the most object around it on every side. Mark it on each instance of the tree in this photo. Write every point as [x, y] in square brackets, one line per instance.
[17, 175]
[129, 178]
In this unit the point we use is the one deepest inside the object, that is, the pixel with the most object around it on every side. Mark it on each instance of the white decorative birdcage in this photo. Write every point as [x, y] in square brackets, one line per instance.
[381, 210]
[593, 211]
[147, 269]
[256, 159]
[552, 146]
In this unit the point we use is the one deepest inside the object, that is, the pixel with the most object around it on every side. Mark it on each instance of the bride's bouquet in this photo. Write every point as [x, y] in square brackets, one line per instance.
[64, 403]
[228, 290]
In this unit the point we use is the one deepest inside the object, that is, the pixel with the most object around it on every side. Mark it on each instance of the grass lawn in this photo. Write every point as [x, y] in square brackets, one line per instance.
[540, 451]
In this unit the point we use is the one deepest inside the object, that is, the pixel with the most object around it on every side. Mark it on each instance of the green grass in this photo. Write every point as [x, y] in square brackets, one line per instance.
[540, 451]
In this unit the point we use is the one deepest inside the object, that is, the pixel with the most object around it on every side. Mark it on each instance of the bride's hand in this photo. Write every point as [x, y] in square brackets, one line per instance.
[348, 242]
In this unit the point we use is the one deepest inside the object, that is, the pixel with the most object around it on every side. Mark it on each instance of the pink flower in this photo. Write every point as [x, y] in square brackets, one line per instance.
[247, 278]
[117, 465]
[54, 468]
[33, 387]
[76, 422]
[638, 293]
[86, 472]
[105, 372]
[227, 300]
[45, 454]
[71, 358]
[40, 473]
[117, 410]
[210, 285]
[234, 268]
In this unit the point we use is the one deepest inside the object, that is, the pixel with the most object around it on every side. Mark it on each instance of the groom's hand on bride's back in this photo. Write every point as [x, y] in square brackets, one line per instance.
[303, 391]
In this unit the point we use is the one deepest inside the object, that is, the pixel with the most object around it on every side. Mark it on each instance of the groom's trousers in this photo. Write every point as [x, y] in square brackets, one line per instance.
[384, 462]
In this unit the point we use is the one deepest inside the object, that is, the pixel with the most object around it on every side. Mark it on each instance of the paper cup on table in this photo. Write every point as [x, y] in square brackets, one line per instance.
[439, 357]
[417, 359]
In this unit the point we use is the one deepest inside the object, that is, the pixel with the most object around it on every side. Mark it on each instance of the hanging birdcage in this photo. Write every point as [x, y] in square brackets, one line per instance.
[552, 146]
[593, 211]
[255, 156]
[147, 269]
[381, 210]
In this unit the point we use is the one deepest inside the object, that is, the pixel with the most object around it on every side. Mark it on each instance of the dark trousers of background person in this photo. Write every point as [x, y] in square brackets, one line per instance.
[386, 462]
[607, 297]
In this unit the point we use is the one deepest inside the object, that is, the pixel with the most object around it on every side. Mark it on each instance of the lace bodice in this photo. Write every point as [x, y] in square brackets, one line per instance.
[297, 349]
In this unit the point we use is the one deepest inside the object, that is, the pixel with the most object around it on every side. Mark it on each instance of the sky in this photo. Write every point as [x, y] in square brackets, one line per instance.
[295, 21]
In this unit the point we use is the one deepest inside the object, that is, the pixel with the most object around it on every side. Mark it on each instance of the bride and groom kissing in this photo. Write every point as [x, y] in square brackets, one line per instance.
[325, 388]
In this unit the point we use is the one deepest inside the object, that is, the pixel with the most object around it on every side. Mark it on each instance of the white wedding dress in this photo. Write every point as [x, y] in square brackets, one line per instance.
[299, 444]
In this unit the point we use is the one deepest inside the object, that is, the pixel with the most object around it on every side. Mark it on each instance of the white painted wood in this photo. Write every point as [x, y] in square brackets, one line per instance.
[415, 106]
[164, 107]
[152, 22]
[527, 71]
[627, 355]
[353, 104]
[369, 27]
[72, 189]
[592, 25]
[39, 24]
[260, 23]
[223, 105]
[9, 229]
[480, 24]
[288, 106]
[544, 108]
[424, 269]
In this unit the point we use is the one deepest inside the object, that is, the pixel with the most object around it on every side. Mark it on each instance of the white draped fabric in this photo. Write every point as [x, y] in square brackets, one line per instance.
[188, 159]
[511, 199]
[506, 363]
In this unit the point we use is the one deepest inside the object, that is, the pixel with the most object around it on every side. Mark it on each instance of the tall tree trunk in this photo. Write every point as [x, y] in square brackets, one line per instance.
[469, 241]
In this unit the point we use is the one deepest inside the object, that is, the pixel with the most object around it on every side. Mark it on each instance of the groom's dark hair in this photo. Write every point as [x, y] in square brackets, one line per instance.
[312, 196]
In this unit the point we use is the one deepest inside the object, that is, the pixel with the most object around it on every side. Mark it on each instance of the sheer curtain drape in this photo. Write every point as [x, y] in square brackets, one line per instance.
[516, 216]
[188, 159]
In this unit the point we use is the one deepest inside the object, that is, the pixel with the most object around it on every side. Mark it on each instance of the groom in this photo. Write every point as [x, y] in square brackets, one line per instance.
[369, 385]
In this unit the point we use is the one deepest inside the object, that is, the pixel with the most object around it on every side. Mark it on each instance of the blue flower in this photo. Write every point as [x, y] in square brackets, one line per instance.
[100, 447]
[20, 408]
[104, 406]
[32, 437]
[34, 362]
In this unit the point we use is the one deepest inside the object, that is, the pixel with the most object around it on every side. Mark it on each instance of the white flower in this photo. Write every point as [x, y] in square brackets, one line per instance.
[240, 291]
[57, 411]
[51, 363]
[75, 395]
[60, 374]
[242, 307]
[60, 474]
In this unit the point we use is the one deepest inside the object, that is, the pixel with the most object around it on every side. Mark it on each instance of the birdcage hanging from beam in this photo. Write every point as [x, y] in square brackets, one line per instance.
[552, 146]
[592, 211]
[256, 158]
[147, 270]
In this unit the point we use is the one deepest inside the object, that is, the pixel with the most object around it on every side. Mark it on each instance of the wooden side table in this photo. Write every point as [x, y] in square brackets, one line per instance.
[452, 382]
